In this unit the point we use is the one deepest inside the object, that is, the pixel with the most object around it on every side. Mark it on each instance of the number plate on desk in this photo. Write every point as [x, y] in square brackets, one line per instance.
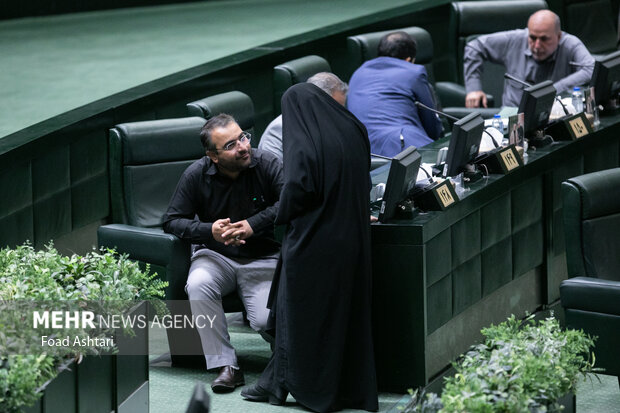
[571, 128]
[578, 126]
[501, 161]
[510, 158]
[445, 195]
[437, 198]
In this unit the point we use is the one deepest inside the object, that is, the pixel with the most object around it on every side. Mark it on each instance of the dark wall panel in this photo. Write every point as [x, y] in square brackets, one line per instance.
[12, 9]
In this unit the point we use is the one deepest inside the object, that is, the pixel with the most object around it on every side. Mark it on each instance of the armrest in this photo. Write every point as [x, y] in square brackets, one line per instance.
[150, 245]
[591, 294]
[453, 94]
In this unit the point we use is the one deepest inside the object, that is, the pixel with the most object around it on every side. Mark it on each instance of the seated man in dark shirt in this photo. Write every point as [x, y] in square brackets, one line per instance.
[225, 204]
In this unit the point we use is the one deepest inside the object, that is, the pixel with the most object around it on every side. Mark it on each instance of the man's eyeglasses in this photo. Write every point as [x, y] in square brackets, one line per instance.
[242, 138]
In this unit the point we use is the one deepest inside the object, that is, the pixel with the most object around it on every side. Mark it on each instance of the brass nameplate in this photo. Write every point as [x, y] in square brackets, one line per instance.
[570, 128]
[578, 126]
[436, 197]
[510, 159]
[445, 195]
[500, 161]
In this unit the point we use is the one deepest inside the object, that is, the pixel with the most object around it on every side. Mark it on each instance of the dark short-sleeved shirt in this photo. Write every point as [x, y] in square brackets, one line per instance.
[203, 195]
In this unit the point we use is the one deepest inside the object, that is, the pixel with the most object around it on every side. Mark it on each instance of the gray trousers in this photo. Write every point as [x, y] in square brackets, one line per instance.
[211, 277]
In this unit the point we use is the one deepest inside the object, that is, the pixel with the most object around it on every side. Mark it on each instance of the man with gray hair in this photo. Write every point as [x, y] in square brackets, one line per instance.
[271, 140]
[540, 52]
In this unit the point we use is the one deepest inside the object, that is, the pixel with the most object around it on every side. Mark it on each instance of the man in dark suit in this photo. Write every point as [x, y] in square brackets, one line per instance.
[383, 92]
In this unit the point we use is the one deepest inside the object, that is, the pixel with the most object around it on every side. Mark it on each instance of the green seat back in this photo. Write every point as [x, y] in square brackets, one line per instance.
[470, 19]
[295, 71]
[146, 161]
[363, 47]
[234, 103]
[593, 21]
[591, 211]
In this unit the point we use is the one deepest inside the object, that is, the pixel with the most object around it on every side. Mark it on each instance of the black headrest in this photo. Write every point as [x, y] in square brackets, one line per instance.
[299, 70]
[234, 103]
[164, 140]
[596, 191]
[479, 17]
[363, 47]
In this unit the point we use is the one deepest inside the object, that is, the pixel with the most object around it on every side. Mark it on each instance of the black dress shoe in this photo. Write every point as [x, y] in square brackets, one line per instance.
[256, 393]
[227, 379]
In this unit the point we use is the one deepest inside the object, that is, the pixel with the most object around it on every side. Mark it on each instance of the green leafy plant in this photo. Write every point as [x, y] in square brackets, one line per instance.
[46, 279]
[21, 377]
[100, 275]
[522, 366]
[422, 402]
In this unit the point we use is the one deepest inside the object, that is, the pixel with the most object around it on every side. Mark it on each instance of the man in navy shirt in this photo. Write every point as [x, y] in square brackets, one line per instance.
[383, 92]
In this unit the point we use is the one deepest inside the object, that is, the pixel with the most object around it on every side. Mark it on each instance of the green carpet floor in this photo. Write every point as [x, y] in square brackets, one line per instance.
[171, 388]
[54, 64]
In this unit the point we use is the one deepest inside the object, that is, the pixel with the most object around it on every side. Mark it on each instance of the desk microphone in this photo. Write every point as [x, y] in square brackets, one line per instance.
[514, 79]
[422, 105]
[511, 77]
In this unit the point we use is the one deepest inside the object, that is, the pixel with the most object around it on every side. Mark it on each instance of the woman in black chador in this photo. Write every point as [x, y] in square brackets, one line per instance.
[321, 294]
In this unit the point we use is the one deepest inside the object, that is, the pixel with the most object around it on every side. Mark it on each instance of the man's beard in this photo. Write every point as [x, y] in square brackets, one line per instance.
[238, 164]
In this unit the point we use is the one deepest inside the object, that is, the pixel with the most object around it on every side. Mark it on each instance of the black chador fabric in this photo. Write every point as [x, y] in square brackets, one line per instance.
[321, 297]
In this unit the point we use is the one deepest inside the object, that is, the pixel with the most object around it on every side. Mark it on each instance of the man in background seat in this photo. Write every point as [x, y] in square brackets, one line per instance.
[540, 52]
[383, 92]
[271, 140]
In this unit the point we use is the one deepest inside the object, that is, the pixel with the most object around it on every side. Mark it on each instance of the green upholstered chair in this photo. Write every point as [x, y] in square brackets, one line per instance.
[470, 19]
[594, 22]
[295, 71]
[235, 103]
[591, 299]
[146, 161]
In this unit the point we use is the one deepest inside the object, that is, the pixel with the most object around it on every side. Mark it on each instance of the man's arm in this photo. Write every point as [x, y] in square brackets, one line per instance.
[582, 61]
[430, 121]
[181, 219]
[271, 140]
[491, 48]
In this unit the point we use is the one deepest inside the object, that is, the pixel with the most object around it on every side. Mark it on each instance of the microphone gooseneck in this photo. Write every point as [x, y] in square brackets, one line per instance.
[422, 105]
[514, 79]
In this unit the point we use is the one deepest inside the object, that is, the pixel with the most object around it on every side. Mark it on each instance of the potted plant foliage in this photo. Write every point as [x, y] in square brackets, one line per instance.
[44, 279]
[522, 366]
